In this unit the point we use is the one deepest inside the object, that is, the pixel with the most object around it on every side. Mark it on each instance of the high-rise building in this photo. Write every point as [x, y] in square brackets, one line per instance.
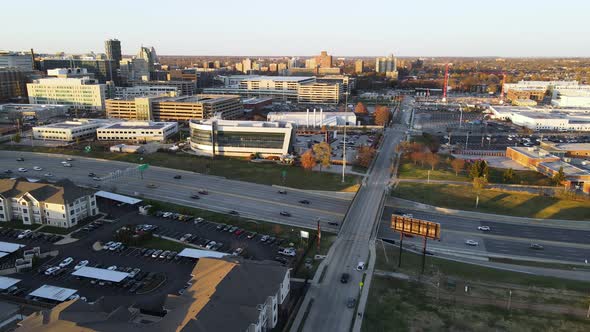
[324, 60]
[246, 66]
[149, 55]
[112, 48]
[20, 60]
[79, 92]
[386, 65]
[359, 66]
[103, 70]
[13, 83]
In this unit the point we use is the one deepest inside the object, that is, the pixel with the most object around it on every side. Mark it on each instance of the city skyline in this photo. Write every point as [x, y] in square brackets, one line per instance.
[427, 29]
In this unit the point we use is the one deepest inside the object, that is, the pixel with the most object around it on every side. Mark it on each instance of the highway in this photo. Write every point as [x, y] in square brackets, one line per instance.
[256, 201]
[327, 295]
[509, 239]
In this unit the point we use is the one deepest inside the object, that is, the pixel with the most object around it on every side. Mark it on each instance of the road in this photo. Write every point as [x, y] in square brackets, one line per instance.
[329, 312]
[261, 202]
[509, 239]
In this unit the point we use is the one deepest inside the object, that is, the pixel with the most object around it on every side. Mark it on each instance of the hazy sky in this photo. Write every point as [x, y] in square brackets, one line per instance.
[302, 27]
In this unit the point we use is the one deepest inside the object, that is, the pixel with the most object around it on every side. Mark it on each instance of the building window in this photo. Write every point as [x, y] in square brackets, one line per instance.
[26, 218]
[25, 211]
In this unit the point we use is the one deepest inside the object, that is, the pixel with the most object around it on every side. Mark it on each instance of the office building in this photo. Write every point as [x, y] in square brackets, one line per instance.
[319, 93]
[215, 137]
[359, 66]
[348, 83]
[188, 74]
[223, 295]
[386, 65]
[83, 93]
[324, 60]
[70, 131]
[61, 204]
[13, 83]
[20, 60]
[104, 70]
[185, 88]
[149, 56]
[145, 91]
[564, 94]
[112, 49]
[314, 118]
[137, 131]
[69, 73]
[183, 108]
[246, 66]
[542, 119]
[133, 70]
[11, 113]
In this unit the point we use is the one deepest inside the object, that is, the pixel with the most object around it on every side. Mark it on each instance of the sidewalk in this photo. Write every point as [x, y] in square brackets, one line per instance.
[568, 224]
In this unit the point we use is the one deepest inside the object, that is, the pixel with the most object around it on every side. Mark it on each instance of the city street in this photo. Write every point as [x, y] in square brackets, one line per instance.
[250, 200]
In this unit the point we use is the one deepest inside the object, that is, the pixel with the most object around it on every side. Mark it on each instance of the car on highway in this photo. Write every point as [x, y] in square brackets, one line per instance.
[7, 171]
[24, 234]
[37, 168]
[344, 278]
[22, 169]
[536, 246]
[67, 165]
[203, 192]
[91, 175]
[282, 192]
[234, 212]
[151, 186]
[69, 159]
[81, 264]
[360, 266]
[52, 270]
[351, 302]
[304, 201]
[177, 177]
[484, 228]
[20, 159]
[285, 214]
[193, 196]
[471, 243]
[66, 262]
[333, 223]
[48, 175]
[96, 178]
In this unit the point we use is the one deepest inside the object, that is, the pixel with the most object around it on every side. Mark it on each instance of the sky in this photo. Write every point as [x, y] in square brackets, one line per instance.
[516, 28]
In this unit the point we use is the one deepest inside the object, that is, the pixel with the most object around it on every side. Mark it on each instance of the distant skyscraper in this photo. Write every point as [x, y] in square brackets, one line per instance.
[246, 65]
[112, 48]
[149, 55]
[387, 65]
[359, 66]
[324, 60]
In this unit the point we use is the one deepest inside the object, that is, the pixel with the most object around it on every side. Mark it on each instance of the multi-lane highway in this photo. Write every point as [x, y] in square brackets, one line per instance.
[250, 200]
[503, 238]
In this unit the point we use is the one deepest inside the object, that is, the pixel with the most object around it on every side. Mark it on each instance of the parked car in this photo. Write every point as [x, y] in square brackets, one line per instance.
[217, 246]
[81, 264]
[112, 268]
[52, 270]
[233, 229]
[238, 232]
[472, 243]
[210, 244]
[264, 238]
[157, 253]
[149, 252]
[220, 227]
[288, 252]
[185, 237]
[164, 254]
[237, 252]
[66, 262]
[24, 234]
[251, 235]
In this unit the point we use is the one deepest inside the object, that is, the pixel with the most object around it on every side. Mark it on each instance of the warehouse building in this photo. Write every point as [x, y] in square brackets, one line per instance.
[137, 131]
[544, 119]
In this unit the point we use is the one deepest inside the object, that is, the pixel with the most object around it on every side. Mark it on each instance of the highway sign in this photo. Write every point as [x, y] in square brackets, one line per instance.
[143, 167]
[413, 226]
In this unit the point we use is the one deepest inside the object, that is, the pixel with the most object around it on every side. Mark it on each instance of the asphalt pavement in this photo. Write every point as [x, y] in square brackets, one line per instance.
[261, 202]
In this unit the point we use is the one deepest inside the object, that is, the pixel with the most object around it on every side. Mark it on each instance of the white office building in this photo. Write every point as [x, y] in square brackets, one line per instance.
[314, 118]
[20, 60]
[83, 92]
[240, 138]
[70, 131]
[137, 131]
[61, 204]
[543, 119]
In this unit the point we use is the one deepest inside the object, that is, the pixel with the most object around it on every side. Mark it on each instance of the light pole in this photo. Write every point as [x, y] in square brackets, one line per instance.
[344, 139]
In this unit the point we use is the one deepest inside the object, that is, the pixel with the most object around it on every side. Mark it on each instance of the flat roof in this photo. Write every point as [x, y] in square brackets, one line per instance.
[198, 253]
[9, 247]
[53, 292]
[568, 169]
[7, 282]
[532, 152]
[139, 125]
[117, 197]
[101, 274]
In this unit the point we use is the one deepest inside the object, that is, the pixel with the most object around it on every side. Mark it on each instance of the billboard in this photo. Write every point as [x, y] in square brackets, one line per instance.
[417, 227]
[304, 235]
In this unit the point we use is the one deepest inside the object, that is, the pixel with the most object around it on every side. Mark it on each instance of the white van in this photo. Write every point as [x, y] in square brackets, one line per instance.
[360, 266]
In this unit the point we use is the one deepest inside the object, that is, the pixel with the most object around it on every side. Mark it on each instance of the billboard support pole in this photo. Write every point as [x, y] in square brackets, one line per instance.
[401, 243]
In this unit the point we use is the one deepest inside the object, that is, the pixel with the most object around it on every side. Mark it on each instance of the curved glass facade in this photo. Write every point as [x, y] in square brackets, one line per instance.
[200, 136]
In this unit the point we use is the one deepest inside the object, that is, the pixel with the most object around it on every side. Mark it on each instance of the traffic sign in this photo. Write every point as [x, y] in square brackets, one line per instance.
[143, 167]
[87, 148]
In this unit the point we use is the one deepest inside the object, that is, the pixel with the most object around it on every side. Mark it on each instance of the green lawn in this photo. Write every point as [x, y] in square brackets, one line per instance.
[18, 225]
[231, 168]
[444, 171]
[461, 197]
[158, 243]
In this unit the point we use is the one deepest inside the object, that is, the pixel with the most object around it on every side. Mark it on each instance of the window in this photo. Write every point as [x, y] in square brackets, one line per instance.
[26, 218]
[71, 211]
[25, 211]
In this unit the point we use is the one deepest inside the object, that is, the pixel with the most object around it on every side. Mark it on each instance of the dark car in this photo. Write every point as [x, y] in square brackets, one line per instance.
[234, 212]
[177, 177]
[536, 246]
[8, 171]
[285, 214]
[20, 159]
[344, 278]
[195, 196]
[304, 201]
[91, 175]
[135, 287]
[351, 302]
[282, 192]
[333, 223]
[203, 192]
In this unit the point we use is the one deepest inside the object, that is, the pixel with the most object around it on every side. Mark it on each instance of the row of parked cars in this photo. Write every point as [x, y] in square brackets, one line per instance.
[29, 234]
[178, 216]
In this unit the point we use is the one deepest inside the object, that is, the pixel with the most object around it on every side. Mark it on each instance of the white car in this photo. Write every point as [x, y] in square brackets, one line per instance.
[471, 243]
[112, 268]
[237, 252]
[360, 266]
[484, 228]
[22, 169]
[67, 165]
[408, 215]
[288, 252]
[48, 175]
[51, 270]
[24, 234]
[185, 237]
[210, 244]
[107, 245]
[37, 168]
[81, 265]
[66, 262]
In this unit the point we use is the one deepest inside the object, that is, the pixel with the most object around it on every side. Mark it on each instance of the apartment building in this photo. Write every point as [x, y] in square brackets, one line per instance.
[82, 93]
[137, 131]
[319, 93]
[61, 204]
[182, 108]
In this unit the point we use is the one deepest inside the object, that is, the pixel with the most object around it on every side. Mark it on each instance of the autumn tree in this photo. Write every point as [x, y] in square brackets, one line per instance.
[432, 159]
[417, 156]
[382, 115]
[559, 177]
[308, 160]
[323, 154]
[365, 155]
[479, 168]
[360, 108]
[479, 183]
[458, 164]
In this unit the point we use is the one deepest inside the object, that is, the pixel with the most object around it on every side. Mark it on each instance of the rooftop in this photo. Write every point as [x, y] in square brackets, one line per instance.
[271, 78]
[242, 123]
[568, 169]
[532, 152]
[139, 125]
[61, 192]
[78, 123]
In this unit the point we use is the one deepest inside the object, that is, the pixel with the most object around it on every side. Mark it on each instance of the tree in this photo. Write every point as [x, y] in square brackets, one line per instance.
[360, 108]
[559, 177]
[479, 183]
[417, 156]
[479, 168]
[432, 159]
[365, 155]
[382, 115]
[323, 154]
[308, 160]
[16, 138]
[508, 176]
[458, 165]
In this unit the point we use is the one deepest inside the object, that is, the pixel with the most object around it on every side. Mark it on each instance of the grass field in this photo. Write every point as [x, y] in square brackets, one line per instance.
[231, 168]
[444, 171]
[494, 201]
[18, 225]
[163, 244]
